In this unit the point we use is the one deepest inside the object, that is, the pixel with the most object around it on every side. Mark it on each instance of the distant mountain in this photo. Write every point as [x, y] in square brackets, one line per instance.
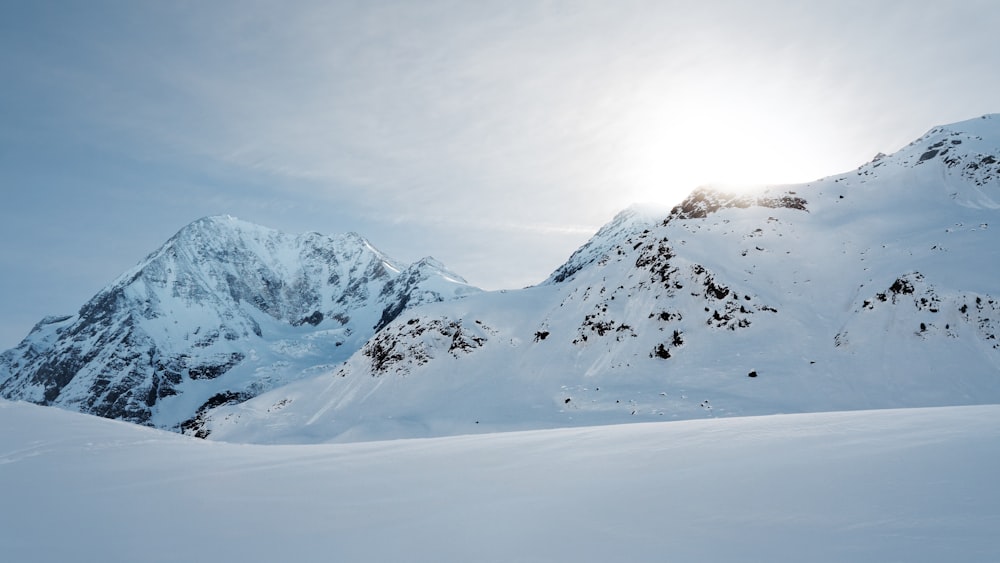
[221, 312]
[872, 289]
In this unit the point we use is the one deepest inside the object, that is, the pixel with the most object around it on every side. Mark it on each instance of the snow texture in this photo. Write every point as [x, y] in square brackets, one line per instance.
[890, 485]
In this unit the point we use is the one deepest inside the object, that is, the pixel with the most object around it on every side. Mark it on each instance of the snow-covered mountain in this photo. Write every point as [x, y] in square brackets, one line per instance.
[872, 289]
[221, 312]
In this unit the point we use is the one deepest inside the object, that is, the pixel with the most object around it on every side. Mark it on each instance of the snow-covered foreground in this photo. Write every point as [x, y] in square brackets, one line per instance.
[891, 485]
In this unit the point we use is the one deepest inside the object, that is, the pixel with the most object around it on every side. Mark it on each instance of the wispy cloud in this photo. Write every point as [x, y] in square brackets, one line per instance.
[406, 105]
[411, 120]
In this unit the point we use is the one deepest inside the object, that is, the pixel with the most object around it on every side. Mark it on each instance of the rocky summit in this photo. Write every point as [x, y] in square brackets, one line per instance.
[223, 311]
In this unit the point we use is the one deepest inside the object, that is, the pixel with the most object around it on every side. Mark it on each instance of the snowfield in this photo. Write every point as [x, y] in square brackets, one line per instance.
[888, 485]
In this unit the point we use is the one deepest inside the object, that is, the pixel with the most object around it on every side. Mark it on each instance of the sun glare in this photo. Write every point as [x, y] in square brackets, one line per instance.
[736, 145]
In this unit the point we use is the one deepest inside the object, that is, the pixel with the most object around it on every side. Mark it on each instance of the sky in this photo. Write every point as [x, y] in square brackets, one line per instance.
[494, 136]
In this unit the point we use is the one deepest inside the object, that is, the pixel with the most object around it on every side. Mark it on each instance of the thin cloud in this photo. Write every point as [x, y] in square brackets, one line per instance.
[524, 125]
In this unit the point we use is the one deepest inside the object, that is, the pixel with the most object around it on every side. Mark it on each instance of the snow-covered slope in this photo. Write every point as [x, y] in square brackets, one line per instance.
[891, 485]
[873, 289]
[222, 311]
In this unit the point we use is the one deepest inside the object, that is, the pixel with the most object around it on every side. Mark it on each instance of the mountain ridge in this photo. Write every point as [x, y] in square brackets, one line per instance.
[867, 289]
[219, 294]
[875, 288]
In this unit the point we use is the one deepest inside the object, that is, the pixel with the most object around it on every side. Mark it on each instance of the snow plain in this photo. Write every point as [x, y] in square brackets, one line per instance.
[888, 485]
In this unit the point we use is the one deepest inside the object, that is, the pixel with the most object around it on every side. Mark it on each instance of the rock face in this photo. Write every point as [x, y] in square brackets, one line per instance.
[221, 312]
[876, 288]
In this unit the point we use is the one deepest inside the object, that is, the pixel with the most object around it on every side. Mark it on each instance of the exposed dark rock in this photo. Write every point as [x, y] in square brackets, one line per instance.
[313, 319]
[213, 370]
[928, 155]
[705, 201]
[195, 426]
[661, 351]
[901, 286]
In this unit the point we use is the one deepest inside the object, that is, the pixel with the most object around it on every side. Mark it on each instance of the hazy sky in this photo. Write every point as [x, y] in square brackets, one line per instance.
[495, 136]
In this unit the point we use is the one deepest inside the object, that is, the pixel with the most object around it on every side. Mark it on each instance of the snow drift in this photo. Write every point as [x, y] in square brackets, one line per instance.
[891, 485]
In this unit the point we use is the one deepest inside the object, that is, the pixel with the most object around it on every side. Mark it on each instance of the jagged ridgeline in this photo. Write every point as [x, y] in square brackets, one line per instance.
[221, 312]
[871, 289]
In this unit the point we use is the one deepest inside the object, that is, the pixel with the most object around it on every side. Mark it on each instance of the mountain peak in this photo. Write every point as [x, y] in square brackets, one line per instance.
[865, 290]
[868, 289]
[706, 200]
[222, 223]
[432, 265]
[220, 312]
[633, 219]
[964, 156]
[354, 238]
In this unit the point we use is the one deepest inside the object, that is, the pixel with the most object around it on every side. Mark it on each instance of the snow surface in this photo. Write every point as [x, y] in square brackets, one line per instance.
[890, 485]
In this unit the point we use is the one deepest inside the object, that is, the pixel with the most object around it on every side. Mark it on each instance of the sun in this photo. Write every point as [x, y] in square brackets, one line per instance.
[732, 143]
